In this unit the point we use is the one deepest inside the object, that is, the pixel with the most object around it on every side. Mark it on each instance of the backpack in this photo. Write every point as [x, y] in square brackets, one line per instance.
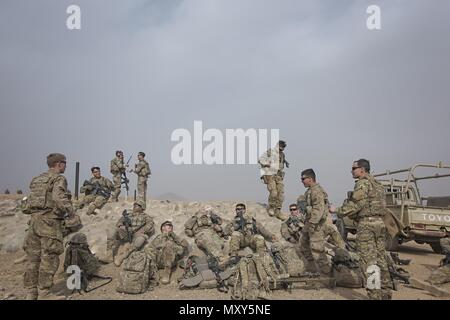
[79, 254]
[346, 270]
[40, 186]
[254, 278]
[135, 275]
[203, 272]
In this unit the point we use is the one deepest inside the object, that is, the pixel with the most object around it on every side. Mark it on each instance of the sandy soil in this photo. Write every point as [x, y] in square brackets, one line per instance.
[13, 226]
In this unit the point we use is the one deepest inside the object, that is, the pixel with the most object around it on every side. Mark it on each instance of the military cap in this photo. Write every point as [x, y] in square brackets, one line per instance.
[54, 158]
[79, 238]
[140, 203]
[167, 222]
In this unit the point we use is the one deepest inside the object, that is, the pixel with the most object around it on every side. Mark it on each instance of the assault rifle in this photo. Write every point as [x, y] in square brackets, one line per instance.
[123, 179]
[96, 189]
[220, 271]
[127, 223]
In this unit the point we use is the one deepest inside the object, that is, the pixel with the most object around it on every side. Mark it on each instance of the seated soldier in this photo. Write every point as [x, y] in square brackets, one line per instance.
[132, 231]
[97, 192]
[292, 228]
[247, 232]
[205, 227]
[166, 250]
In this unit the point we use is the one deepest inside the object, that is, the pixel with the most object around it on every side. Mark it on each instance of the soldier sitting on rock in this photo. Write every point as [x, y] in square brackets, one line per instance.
[132, 231]
[247, 232]
[97, 192]
[291, 229]
[205, 227]
[166, 250]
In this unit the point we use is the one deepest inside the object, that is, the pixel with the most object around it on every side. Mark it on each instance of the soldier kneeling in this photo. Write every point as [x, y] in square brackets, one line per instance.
[166, 250]
[132, 230]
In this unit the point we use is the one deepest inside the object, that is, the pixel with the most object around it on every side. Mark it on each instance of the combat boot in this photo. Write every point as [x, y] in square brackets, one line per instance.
[165, 275]
[45, 294]
[32, 294]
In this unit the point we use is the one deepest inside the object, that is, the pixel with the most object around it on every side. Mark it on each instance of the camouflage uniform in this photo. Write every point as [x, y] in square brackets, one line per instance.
[117, 168]
[247, 232]
[142, 169]
[367, 207]
[292, 228]
[95, 201]
[166, 250]
[273, 177]
[206, 228]
[142, 228]
[44, 239]
[312, 241]
[442, 274]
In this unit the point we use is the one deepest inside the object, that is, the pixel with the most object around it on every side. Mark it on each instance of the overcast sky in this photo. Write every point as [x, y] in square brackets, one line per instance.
[137, 70]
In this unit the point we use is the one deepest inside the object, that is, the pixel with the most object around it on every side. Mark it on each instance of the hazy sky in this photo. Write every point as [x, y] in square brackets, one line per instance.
[137, 70]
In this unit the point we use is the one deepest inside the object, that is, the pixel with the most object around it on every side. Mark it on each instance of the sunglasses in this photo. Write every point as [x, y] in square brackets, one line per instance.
[293, 209]
[304, 178]
[354, 168]
[240, 209]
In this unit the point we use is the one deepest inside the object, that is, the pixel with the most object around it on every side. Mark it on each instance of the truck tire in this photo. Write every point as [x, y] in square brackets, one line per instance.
[436, 246]
[341, 228]
[392, 243]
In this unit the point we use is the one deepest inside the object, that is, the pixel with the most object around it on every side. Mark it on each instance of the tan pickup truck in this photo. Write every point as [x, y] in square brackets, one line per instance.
[422, 219]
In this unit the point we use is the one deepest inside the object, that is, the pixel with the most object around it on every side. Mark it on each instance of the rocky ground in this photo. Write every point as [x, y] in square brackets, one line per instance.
[13, 226]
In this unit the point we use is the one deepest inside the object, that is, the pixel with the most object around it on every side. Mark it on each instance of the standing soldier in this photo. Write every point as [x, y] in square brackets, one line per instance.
[166, 250]
[117, 169]
[367, 206]
[142, 169]
[48, 204]
[97, 192]
[206, 227]
[272, 165]
[312, 241]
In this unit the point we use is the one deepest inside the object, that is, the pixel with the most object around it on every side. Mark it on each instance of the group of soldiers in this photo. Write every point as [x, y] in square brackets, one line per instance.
[99, 189]
[308, 227]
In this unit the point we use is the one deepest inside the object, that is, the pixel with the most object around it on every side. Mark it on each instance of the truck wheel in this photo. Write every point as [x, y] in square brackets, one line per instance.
[391, 243]
[436, 246]
[341, 228]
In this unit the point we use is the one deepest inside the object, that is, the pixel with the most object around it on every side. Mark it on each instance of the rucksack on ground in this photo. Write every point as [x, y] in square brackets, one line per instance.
[79, 254]
[347, 270]
[135, 275]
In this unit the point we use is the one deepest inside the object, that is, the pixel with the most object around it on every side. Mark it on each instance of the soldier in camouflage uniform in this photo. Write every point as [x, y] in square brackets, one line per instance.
[312, 241]
[367, 207]
[442, 274]
[291, 229]
[44, 239]
[133, 236]
[166, 250]
[142, 169]
[272, 165]
[96, 199]
[245, 231]
[206, 227]
[117, 169]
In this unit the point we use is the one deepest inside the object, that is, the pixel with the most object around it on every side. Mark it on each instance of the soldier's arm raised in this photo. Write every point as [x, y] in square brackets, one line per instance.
[149, 226]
